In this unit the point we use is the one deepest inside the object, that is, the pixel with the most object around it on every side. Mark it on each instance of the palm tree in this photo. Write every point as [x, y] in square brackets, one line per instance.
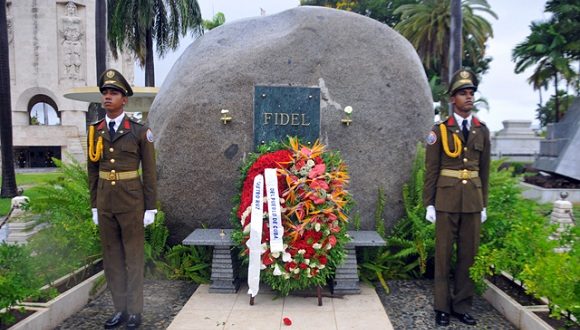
[8, 176]
[136, 23]
[218, 20]
[426, 26]
[544, 49]
[95, 110]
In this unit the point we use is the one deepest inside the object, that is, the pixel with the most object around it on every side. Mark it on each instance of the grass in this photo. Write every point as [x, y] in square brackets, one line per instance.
[28, 181]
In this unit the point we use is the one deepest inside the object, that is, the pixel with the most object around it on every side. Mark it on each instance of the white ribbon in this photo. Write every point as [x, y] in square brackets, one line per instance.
[255, 242]
[274, 211]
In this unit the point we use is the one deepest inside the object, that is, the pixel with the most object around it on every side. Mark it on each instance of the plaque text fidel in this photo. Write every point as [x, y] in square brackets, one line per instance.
[281, 111]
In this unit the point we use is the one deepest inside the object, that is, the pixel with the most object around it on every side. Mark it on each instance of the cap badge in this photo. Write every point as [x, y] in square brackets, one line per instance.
[464, 74]
[110, 74]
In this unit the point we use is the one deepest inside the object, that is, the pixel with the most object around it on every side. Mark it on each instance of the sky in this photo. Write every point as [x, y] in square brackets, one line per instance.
[508, 94]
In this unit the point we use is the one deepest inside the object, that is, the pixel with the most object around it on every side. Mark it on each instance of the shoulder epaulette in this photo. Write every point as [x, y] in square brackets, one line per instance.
[97, 122]
[136, 121]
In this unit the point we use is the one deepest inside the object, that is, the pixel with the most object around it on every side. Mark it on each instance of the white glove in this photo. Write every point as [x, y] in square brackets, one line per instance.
[149, 217]
[95, 216]
[431, 215]
[483, 215]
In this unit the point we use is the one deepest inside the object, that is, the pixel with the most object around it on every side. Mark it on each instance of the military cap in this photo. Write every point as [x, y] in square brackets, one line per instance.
[112, 78]
[462, 79]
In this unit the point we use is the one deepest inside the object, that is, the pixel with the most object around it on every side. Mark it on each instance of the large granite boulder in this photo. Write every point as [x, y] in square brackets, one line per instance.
[354, 60]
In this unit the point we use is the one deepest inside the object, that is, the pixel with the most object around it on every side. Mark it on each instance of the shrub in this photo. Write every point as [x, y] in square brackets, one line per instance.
[71, 240]
[410, 243]
[17, 281]
[556, 276]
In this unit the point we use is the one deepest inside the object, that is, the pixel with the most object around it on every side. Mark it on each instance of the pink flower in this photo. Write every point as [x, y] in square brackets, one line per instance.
[316, 171]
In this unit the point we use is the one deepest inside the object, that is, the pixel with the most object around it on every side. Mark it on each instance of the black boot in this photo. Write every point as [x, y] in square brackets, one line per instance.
[116, 320]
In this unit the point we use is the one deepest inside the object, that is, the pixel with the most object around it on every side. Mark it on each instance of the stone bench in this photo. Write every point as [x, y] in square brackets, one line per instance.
[224, 266]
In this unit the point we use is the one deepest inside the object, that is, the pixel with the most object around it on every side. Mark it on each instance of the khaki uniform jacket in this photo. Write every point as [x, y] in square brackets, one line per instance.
[129, 148]
[455, 195]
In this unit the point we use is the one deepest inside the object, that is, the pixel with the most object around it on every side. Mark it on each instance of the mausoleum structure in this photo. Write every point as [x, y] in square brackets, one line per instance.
[517, 142]
[559, 152]
[52, 49]
[298, 69]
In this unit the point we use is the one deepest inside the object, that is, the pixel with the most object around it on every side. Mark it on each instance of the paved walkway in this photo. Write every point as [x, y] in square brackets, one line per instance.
[233, 311]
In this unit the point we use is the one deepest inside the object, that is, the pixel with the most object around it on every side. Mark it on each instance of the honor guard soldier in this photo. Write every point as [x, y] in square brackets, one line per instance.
[455, 194]
[123, 202]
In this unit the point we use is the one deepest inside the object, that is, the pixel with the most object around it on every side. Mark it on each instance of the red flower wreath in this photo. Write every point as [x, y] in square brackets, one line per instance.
[314, 201]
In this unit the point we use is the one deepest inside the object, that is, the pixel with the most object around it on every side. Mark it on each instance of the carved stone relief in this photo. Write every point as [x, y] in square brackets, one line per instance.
[72, 43]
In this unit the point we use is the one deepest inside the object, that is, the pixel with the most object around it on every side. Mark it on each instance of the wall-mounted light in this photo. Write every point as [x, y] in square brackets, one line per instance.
[225, 116]
[347, 113]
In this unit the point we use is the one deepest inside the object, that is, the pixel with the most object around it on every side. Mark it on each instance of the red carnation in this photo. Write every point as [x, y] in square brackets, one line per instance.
[303, 265]
[332, 240]
[267, 259]
[322, 260]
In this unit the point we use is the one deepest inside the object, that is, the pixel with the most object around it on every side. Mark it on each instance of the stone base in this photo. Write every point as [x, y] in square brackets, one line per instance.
[545, 195]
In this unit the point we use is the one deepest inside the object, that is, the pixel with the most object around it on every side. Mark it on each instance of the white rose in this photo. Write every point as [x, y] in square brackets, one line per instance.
[286, 257]
[307, 261]
[277, 271]
[348, 110]
[296, 270]
[328, 246]
[310, 163]
[286, 276]
[317, 227]
[275, 254]
[321, 266]
[316, 246]
[326, 232]
[301, 251]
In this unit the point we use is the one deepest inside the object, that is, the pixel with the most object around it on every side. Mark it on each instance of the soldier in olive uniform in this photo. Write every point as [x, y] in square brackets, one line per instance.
[122, 201]
[455, 194]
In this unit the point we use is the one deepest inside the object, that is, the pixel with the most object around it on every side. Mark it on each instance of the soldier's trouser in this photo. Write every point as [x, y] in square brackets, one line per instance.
[122, 239]
[464, 228]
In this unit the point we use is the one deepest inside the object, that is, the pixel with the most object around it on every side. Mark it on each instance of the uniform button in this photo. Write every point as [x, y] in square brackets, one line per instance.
[113, 183]
[112, 160]
[462, 181]
[112, 171]
[465, 160]
[465, 149]
[111, 149]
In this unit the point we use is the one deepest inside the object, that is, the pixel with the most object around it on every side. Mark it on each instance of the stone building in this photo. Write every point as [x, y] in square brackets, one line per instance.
[517, 142]
[52, 49]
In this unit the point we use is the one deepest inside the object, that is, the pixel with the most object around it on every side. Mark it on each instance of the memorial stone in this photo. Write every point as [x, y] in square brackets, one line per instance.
[354, 61]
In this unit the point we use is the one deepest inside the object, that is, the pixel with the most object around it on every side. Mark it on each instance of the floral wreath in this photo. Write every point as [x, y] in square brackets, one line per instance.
[314, 209]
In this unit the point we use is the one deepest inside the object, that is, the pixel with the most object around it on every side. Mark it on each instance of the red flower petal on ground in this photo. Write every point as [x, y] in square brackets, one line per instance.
[287, 321]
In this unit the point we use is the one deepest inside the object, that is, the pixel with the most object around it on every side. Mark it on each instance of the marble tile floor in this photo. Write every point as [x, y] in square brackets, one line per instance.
[206, 310]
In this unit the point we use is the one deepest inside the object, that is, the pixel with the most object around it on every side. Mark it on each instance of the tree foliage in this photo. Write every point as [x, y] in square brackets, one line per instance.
[134, 24]
[426, 25]
[550, 50]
